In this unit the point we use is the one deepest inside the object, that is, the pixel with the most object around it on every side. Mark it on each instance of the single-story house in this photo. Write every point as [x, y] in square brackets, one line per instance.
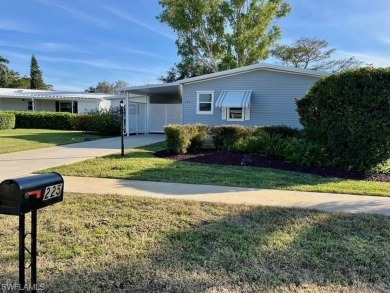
[52, 101]
[260, 94]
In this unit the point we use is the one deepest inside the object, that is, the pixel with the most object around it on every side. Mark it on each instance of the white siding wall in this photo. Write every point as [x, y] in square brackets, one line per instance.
[104, 105]
[87, 106]
[13, 104]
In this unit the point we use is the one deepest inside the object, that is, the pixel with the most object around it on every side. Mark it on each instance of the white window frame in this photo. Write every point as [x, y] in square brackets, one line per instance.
[235, 119]
[197, 103]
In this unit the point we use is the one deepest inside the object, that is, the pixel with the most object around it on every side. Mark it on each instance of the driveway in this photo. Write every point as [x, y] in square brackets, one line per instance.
[26, 162]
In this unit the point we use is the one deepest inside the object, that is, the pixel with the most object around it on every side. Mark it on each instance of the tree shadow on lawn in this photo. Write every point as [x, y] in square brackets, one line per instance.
[166, 170]
[258, 250]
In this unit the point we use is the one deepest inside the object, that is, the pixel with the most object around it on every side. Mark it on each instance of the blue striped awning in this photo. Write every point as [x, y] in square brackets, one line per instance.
[234, 99]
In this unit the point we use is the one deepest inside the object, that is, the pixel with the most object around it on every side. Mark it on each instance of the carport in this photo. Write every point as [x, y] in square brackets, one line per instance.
[151, 107]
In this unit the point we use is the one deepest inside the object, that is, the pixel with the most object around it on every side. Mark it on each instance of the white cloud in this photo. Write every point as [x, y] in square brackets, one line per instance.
[44, 47]
[77, 14]
[15, 26]
[102, 63]
[129, 18]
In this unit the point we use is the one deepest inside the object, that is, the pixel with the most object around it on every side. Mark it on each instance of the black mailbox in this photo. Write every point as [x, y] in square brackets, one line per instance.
[26, 194]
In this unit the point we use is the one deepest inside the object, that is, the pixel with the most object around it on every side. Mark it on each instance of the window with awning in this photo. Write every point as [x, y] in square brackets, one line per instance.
[235, 104]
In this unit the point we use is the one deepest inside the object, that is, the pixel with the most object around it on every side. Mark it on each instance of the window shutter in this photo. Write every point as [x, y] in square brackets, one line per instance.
[224, 113]
[247, 113]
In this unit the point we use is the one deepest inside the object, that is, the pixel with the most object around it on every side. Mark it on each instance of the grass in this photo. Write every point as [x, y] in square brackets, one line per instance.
[140, 164]
[14, 140]
[113, 243]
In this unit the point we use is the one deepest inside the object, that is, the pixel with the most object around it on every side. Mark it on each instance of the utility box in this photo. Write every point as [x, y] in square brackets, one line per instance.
[26, 194]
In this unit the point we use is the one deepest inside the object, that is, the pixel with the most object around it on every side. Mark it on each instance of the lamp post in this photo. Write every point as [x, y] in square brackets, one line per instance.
[122, 106]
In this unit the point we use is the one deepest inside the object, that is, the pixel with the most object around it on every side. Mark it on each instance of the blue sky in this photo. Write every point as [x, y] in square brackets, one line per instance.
[80, 42]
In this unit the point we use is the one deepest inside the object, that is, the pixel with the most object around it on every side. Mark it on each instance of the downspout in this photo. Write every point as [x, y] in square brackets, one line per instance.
[146, 114]
[127, 115]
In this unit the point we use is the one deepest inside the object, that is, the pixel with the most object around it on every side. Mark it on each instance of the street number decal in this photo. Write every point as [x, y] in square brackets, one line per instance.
[53, 191]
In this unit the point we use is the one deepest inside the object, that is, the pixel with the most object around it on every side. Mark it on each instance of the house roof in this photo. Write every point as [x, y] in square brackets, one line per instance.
[174, 88]
[254, 67]
[51, 95]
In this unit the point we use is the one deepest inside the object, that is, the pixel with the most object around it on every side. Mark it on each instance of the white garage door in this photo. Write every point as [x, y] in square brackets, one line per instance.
[164, 114]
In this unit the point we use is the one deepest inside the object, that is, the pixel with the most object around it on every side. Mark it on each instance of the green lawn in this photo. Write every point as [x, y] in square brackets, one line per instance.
[140, 164]
[14, 140]
[113, 243]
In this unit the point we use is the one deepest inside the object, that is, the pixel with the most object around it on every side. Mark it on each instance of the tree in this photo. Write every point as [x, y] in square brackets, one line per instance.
[36, 80]
[222, 34]
[313, 53]
[106, 87]
[185, 69]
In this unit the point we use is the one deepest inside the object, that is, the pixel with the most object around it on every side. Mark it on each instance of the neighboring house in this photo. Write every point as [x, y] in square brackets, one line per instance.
[52, 101]
[260, 94]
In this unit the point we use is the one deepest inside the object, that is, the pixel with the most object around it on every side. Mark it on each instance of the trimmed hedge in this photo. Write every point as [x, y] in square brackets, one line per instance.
[45, 120]
[7, 120]
[349, 113]
[182, 138]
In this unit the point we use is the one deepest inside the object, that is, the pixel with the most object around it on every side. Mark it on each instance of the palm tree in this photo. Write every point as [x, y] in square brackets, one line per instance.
[3, 67]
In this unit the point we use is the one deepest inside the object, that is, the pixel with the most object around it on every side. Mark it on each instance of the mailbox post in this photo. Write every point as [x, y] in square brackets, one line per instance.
[29, 194]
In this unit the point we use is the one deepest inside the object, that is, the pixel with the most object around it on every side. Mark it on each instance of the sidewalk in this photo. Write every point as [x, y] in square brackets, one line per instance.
[232, 195]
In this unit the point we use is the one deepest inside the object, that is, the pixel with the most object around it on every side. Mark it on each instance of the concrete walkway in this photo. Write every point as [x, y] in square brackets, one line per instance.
[236, 195]
[26, 162]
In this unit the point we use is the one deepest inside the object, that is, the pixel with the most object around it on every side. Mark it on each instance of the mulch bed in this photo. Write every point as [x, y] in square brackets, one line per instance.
[209, 156]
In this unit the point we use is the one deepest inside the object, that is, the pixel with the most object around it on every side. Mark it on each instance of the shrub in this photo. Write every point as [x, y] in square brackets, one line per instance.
[199, 136]
[263, 143]
[181, 138]
[7, 120]
[352, 113]
[305, 153]
[282, 130]
[44, 120]
[83, 122]
[105, 122]
[225, 137]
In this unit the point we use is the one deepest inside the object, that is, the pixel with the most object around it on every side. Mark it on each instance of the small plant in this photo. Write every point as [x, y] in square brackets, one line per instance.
[306, 153]
[282, 130]
[225, 137]
[263, 143]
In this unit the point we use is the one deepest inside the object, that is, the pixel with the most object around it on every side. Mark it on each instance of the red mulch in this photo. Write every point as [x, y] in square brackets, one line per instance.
[253, 160]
